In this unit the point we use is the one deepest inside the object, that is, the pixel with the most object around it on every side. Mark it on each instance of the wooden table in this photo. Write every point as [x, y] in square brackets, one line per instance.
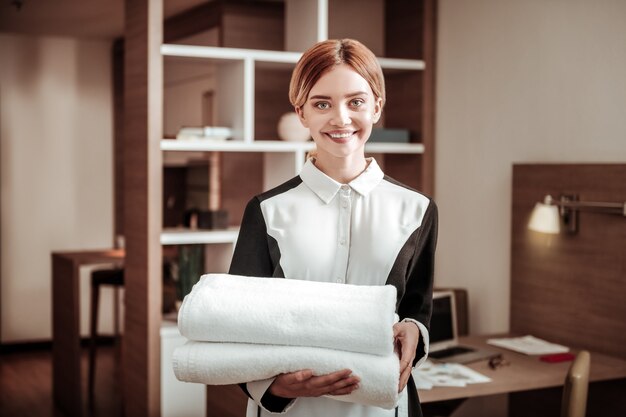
[524, 373]
[66, 352]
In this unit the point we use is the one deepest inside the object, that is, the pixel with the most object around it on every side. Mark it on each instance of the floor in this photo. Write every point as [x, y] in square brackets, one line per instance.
[26, 383]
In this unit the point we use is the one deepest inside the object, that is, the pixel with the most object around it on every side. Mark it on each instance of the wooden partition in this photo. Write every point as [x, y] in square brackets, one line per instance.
[570, 288]
[143, 115]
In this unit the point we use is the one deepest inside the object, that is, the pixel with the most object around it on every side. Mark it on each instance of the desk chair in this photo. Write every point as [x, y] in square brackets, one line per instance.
[574, 402]
[113, 277]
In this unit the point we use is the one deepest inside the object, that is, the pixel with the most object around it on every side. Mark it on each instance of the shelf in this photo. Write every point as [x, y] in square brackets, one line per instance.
[191, 237]
[402, 64]
[408, 148]
[234, 146]
[277, 146]
[215, 52]
[275, 57]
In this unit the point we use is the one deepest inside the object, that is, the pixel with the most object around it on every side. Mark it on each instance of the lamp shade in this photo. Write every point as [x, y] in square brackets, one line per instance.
[545, 219]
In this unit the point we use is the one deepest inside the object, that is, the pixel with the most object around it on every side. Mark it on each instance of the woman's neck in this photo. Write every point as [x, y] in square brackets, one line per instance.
[342, 170]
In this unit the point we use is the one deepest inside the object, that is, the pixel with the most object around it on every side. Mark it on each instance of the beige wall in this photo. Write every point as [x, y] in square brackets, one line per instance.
[56, 167]
[517, 81]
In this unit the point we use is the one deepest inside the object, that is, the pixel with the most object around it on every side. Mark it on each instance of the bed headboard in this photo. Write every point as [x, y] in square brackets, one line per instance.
[570, 289]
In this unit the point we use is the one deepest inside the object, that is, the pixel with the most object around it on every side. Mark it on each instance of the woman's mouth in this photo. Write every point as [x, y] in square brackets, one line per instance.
[340, 137]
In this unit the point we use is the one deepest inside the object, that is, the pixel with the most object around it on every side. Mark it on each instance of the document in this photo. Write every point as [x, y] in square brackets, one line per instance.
[529, 345]
[432, 374]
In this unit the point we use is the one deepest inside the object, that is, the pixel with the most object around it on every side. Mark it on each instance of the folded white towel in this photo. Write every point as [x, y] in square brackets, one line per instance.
[278, 311]
[232, 363]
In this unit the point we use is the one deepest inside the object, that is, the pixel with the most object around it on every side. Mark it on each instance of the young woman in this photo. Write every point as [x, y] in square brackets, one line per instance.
[342, 220]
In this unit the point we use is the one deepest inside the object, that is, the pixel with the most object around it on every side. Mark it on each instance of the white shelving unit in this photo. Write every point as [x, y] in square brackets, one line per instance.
[234, 71]
[276, 146]
[192, 237]
[235, 93]
[235, 75]
[178, 399]
[283, 160]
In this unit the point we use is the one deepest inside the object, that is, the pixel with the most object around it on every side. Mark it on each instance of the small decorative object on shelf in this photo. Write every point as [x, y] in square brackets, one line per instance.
[382, 134]
[196, 219]
[217, 216]
[290, 128]
[190, 268]
[204, 133]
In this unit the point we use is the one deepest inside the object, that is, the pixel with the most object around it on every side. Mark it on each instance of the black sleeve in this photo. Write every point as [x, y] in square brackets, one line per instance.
[417, 300]
[252, 255]
[252, 258]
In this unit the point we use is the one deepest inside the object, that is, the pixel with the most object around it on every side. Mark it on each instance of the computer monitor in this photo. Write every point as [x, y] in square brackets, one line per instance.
[443, 330]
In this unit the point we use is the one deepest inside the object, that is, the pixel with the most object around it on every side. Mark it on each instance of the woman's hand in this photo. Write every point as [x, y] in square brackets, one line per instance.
[406, 335]
[305, 384]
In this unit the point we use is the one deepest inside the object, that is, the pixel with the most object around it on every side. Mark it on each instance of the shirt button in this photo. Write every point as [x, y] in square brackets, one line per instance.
[339, 280]
[342, 242]
[344, 204]
[345, 187]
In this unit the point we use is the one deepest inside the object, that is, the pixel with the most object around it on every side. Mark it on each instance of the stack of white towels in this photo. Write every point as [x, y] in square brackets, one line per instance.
[243, 329]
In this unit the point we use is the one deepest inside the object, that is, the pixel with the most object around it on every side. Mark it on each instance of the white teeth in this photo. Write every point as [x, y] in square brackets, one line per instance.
[340, 135]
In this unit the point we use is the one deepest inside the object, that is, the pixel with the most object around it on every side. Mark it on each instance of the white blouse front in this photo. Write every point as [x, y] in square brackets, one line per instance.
[367, 232]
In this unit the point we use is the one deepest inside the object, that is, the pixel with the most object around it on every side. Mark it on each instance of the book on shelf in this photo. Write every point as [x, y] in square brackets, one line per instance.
[204, 133]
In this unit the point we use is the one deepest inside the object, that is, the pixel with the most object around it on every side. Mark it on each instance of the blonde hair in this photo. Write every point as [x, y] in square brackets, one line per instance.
[323, 57]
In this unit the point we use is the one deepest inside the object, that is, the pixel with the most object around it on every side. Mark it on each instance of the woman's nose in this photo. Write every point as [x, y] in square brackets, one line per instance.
[341, 116]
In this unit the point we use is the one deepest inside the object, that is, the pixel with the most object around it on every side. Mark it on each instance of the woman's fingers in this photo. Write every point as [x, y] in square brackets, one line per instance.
[343, 386]
[304, 384]
[297, 377]
[328, 380]
[404, 378]
[406, 340]
[345, 390]
[406, 366]
[336, 383]
[286, 385]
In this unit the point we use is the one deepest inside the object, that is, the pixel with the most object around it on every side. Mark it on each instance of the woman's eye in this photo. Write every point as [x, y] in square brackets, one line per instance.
[357, 102]
[322, 105]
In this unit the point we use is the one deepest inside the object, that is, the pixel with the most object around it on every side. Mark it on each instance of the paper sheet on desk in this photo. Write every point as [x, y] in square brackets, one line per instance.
[446, 375]
[529, 345]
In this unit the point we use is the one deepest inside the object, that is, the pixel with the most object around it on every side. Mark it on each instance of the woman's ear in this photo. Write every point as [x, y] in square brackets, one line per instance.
[300, 114]
[378, 109]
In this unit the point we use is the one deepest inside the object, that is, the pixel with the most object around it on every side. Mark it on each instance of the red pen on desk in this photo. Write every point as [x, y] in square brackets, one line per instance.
[558, 357]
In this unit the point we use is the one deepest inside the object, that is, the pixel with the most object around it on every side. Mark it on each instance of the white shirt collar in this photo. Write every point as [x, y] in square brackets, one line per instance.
[326, 187]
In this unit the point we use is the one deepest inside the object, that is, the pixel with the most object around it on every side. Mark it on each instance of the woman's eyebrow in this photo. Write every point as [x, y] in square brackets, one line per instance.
[321, 97]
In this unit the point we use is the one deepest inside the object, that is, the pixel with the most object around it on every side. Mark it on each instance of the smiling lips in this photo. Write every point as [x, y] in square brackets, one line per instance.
[340, 136]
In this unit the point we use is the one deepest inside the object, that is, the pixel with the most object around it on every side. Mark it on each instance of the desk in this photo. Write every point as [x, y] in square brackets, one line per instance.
[524, 373]
[66, 373]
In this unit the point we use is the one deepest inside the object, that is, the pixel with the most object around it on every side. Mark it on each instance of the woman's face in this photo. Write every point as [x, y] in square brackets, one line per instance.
[340, 111]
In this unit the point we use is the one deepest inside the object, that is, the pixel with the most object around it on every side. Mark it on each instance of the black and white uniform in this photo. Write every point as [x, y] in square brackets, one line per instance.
[372, 231]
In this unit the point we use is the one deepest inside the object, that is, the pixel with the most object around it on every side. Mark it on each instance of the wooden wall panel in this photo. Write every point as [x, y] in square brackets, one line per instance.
[271, 101]
[117, 54]
[405, 168]
[429, 42]
[242, 179]
[225, 401]
[254, 26]
[570, 288]
[193, 21]
[143, 108]
[410, 32]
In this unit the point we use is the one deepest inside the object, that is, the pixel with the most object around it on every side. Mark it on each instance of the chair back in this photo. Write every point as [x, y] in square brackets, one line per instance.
[576, 385]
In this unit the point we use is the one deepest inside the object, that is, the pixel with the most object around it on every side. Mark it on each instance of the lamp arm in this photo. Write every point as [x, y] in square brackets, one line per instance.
[614, 208]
